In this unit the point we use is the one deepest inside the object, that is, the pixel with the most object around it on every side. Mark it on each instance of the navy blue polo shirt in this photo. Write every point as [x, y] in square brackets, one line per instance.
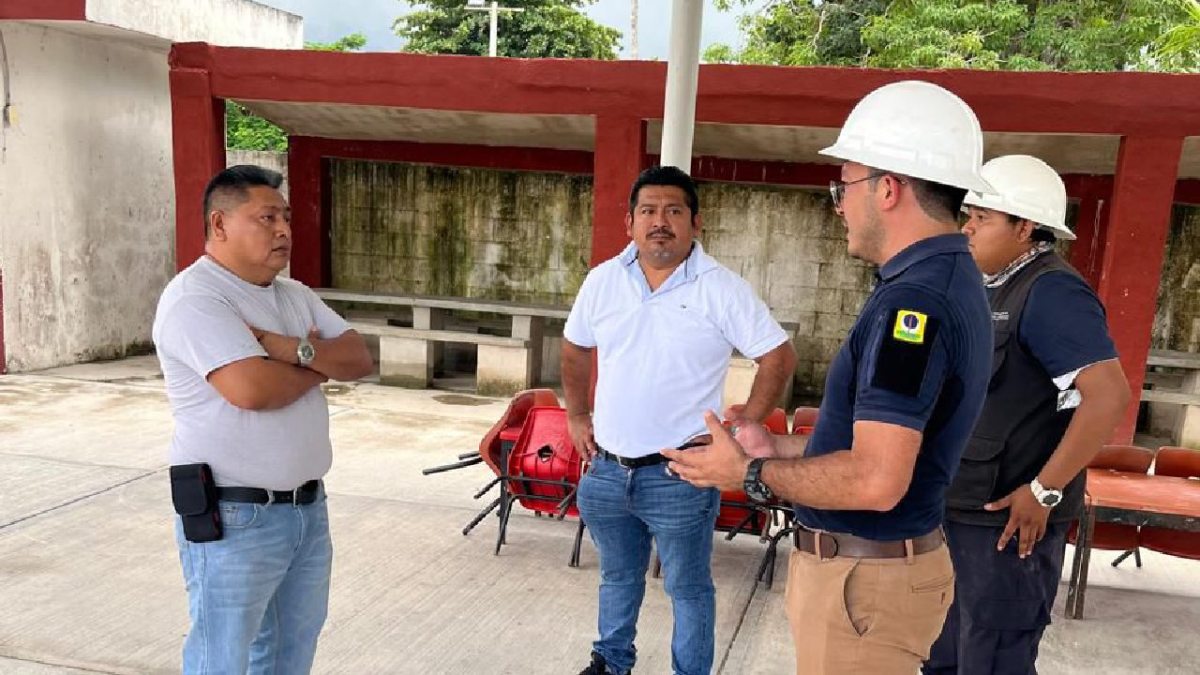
[1064, 327]
[919, 356]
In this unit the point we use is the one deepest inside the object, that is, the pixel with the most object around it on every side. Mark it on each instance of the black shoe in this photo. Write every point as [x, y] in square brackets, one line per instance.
[598, 666]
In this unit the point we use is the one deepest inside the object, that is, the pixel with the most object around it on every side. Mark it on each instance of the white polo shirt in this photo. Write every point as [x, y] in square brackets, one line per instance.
[663, 355]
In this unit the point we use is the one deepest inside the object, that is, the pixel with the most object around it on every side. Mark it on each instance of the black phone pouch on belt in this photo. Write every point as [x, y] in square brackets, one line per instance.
[195, 497]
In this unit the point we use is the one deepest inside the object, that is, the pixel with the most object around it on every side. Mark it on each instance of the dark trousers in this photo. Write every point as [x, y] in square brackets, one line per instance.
[1001, 603]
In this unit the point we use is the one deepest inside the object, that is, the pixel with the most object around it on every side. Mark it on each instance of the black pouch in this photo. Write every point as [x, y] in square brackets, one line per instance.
[195, 498]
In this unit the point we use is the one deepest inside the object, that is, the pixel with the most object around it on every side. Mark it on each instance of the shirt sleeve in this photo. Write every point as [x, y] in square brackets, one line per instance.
[578, 328]
[903, 358]
[328, 322]
[206, 333]
[747, 322]
[1063, 325]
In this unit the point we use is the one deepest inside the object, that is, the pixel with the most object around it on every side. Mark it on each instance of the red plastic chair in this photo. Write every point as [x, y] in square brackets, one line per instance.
[1113, 536]
[1182, 463]
[804, 420]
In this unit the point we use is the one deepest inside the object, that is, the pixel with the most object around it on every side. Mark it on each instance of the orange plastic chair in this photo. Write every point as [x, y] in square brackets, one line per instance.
[1113, 536]
[1182, 463]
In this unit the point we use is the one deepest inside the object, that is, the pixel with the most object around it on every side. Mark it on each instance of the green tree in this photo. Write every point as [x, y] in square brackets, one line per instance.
[1073, 35]
[546, 29]
[1179, 48]
[246, 131]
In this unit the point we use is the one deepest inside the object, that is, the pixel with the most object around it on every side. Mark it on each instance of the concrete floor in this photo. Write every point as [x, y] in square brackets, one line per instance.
[90, 581]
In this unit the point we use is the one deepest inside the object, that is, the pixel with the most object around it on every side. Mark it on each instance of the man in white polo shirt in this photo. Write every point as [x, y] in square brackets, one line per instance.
[665, 318]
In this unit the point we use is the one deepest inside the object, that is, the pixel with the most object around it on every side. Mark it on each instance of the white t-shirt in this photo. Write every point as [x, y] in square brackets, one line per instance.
[202, 325]
[663, 355]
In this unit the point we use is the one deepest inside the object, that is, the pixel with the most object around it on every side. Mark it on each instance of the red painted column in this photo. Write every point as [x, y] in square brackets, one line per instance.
[198, 130]
[310, 229]
[1091, 228]
[618, 159]
[1143, 191]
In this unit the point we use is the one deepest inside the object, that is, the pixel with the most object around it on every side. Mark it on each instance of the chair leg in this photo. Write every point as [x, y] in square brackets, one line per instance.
[505, 512]
[657, 572]
[1137, 557]
[1123, 556]
[578, 545]
[480, 516]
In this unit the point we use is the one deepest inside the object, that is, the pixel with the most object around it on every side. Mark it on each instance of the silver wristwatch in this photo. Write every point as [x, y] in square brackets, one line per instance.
[305, 353]
[1048, 497]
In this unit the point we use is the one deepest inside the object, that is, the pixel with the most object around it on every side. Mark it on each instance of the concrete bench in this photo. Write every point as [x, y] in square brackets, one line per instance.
[407, 356]
[1176, 389]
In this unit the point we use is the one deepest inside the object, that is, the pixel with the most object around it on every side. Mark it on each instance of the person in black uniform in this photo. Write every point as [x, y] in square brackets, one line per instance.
[1056, 393]
[870, 579]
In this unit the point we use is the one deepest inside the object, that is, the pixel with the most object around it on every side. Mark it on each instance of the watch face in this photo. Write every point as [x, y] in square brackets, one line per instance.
[1051, 499]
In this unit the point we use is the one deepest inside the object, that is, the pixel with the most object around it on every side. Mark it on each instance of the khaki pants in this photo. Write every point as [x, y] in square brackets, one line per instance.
[854, 615]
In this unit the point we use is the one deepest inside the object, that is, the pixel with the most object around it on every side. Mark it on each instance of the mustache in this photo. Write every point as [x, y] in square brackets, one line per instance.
[661, 231]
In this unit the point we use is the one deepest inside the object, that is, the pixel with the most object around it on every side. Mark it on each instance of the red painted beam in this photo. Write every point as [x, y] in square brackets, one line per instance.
[43, 10]
[1045, 102]
[198, 130]
[755, 171]
[620, 156]
[1143, 192]
[448, 154]
[1187, 191]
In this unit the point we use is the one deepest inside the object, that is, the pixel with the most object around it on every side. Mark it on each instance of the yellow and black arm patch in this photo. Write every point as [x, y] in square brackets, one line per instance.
[904, 351]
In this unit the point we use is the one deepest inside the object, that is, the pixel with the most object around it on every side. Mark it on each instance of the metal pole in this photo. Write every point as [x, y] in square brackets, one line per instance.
[683, 68]
[492, 35]
[633, 30]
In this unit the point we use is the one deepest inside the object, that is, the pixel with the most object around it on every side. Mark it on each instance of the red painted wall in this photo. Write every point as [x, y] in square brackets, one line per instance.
[43, 10]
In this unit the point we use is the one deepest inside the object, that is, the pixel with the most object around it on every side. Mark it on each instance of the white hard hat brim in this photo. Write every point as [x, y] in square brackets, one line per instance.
[900, 165]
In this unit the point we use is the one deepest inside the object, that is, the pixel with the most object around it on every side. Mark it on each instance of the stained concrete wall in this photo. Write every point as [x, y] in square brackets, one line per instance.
[86, 191]
[275, 161]
[499, 235]
[1177, 323]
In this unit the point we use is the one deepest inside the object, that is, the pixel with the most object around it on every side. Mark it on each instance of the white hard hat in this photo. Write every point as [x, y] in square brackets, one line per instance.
[916, 129]
[1026, 187]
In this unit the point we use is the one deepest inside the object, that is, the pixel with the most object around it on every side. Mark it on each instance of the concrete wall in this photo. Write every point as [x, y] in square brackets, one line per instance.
[87, 204]
[499, 235]
[276, 161]
[219, 22]
[1177, 323]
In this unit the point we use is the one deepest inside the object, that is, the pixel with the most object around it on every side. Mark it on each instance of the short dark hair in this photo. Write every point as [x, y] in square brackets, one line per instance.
[938, 201]
[1039, 234]
[235, 182]
[669, 176]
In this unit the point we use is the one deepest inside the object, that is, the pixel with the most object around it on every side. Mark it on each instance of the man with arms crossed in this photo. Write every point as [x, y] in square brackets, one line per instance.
[243, 352]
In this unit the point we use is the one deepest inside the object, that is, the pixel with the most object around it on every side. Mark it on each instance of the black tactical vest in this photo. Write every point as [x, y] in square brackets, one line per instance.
[1020, 426]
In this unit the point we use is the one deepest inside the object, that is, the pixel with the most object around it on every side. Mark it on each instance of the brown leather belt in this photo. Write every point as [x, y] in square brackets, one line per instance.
[826, 545]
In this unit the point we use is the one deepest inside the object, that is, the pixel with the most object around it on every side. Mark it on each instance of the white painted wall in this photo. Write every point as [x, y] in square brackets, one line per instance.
[87, 197]
[219, 22]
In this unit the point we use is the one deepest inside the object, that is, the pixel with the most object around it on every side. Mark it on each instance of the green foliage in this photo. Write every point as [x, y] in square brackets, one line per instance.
[351, 43]
[246, 131]
[546, 29]
[1070, 35]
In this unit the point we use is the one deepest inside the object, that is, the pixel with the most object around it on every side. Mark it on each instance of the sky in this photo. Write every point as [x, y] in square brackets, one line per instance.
[328, 20]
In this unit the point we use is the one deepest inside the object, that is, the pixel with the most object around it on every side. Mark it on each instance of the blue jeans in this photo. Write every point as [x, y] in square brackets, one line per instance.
[624, 508]
[258, 597]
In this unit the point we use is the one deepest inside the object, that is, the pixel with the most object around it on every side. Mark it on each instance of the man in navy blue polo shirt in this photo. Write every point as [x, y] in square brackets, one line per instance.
[1056, 393]
[663, 318]
[871, 580]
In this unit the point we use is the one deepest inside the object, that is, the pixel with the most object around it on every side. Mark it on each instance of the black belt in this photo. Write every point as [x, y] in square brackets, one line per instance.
[827, 545]
[631, 462]
[305, 494]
